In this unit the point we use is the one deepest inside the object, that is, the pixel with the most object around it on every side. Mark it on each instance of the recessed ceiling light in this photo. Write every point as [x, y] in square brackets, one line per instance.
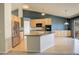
[42, 14]
[25, 6]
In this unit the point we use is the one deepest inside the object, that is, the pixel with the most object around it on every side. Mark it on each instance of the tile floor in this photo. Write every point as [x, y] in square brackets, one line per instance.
[63, 45]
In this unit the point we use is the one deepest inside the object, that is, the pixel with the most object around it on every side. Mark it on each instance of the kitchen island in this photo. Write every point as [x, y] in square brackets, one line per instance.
[39, 41]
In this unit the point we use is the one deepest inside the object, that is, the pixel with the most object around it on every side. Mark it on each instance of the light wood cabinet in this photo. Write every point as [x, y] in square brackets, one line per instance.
[46, 21]
[69, 33]
[62, 33]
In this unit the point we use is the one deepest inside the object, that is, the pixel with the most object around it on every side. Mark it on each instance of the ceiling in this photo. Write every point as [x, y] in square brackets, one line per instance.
[58, 9]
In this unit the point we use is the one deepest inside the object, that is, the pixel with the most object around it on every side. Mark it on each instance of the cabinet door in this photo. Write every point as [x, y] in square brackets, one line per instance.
[69, 33]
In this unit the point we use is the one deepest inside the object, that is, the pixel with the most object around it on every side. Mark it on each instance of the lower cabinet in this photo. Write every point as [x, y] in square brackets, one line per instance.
[62, 33]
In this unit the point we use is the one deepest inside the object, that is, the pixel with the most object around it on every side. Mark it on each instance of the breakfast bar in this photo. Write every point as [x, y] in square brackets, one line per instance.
[40, 41]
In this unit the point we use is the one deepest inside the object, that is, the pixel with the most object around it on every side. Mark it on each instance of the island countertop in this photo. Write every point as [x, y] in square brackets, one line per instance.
[33, 33]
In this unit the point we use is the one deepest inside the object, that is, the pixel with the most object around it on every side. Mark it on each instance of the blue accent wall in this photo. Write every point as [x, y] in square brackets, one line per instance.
[57, 22]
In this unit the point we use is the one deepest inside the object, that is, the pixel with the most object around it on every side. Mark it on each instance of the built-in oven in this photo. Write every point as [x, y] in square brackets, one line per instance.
[39, 25]
[47, 27]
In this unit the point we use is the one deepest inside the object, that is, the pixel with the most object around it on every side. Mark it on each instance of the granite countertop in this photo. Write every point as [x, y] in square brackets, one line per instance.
[38, 33]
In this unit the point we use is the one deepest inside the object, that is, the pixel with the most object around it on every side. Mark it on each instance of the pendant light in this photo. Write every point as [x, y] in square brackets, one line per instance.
[66, 22]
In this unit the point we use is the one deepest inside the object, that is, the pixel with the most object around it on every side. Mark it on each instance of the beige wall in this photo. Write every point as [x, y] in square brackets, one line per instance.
[7, 16]
[2, 36]
[7, 19]
[5, 27]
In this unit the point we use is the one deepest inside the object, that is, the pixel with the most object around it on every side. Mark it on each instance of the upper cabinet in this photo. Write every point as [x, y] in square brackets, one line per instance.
[46, 21]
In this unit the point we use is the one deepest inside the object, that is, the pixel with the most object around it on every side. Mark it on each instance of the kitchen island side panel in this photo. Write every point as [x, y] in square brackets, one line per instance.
[39, 43]
[33, 43]
[47, 41]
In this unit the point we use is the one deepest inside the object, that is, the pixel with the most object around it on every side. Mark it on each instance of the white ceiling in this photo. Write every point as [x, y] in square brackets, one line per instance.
[57, 9]
[16, 6]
